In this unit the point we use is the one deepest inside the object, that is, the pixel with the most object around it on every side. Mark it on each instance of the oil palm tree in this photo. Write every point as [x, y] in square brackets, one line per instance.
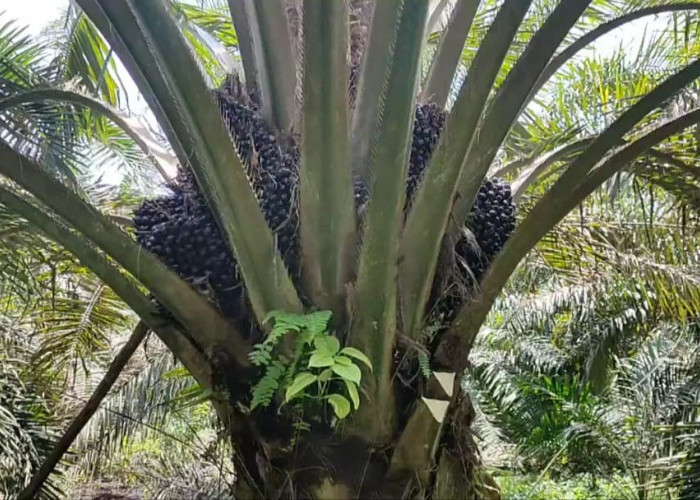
[377, 268]
[548, 368]
[589, 360]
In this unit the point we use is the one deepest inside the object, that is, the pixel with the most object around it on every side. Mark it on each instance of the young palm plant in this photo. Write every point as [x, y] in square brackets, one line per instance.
[380, 222]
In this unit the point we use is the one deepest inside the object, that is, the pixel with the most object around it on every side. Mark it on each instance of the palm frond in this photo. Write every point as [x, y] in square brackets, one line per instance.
[81, 55]
[67, 136]
[75, 325]
[27, 424]
[211, 35]
[140, 405]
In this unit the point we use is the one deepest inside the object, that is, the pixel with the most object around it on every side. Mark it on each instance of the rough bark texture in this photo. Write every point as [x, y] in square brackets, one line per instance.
[276, 462]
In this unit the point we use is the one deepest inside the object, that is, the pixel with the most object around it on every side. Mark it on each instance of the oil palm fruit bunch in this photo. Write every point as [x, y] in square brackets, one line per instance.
[428, 122]
[182, 231]
[272, 164]
[427, 125]
[491, 222]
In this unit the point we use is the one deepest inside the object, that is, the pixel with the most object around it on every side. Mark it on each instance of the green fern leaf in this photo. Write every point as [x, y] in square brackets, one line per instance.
[265, 389]
[317, 322]
[424, 365]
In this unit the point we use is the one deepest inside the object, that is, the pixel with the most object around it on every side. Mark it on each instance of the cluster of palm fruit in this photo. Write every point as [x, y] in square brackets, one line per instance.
[491, 222]
[273, 169]
[182, 231]
[428, 122]
[427, 126]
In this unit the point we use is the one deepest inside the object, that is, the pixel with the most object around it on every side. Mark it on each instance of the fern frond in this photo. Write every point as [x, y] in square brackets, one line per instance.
[424, 365]
[317, 322]
[264, 391]
[261, 354]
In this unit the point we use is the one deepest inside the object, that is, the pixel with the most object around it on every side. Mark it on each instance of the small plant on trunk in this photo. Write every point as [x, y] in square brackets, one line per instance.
[314, 371]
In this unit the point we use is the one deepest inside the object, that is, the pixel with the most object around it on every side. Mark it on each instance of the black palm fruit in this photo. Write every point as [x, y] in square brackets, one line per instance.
[272, 169]
[182, 231]
[428, 122]
[491, 221]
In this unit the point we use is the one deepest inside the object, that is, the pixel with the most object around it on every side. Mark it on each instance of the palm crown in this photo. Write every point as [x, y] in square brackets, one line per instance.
[330, 177]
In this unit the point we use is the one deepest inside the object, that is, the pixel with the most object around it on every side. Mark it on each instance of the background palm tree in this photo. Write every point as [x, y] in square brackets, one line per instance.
[380, 281]
[594, 367]
[609, 295]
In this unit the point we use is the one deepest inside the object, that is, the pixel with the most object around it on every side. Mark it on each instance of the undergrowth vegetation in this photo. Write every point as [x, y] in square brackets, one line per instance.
[590, 364]
[309, 370]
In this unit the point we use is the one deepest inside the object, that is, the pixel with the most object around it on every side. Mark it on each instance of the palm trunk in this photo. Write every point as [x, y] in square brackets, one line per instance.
[276, 462]
[356, 475]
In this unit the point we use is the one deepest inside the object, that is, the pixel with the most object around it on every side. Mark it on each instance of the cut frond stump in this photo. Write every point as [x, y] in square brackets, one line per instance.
[441, 385]
[415, 451]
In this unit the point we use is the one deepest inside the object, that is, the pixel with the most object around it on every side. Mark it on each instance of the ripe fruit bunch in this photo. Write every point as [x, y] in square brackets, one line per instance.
[492, 218]
[428, 122]
[491, 221]
[427, 126]
[181, 229]
[272, 166]
[488, 227]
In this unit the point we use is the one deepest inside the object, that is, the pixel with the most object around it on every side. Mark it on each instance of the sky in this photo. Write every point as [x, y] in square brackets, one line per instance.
[35, 14]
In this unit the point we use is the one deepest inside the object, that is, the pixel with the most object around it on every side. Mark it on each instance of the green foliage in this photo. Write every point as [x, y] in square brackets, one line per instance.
[590, 362]
[598, 372]
[318, 369]
[576, 487]
[28, 426]
[424, 365]
[265, 389]
[181, 455]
